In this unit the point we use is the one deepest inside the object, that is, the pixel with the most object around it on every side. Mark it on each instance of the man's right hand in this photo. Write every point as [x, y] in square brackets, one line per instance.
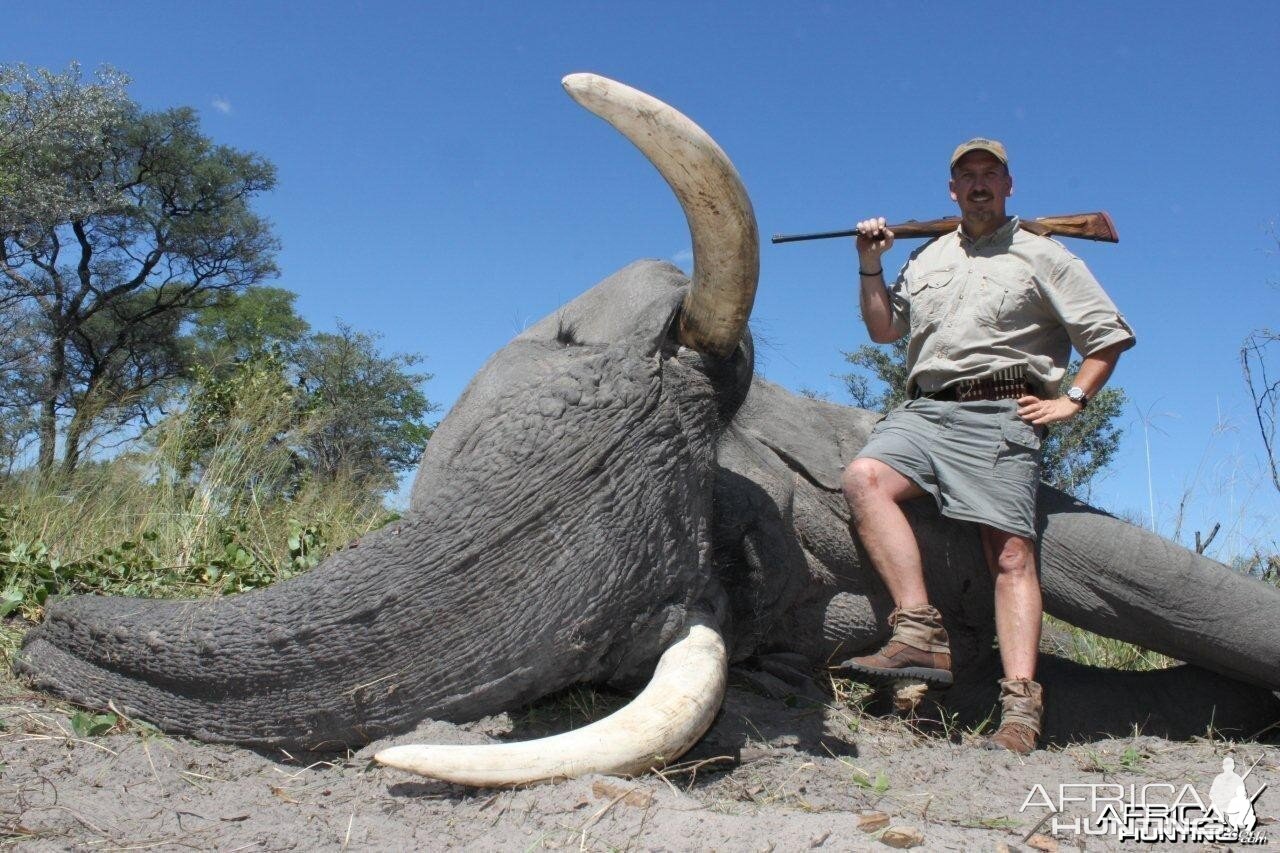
[873, 241]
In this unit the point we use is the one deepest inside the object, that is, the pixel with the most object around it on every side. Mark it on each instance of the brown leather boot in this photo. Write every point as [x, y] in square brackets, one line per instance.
[919, 648]
[1021, 707]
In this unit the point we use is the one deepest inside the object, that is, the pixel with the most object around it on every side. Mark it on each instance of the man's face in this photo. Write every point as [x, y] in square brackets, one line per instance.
[979, 184]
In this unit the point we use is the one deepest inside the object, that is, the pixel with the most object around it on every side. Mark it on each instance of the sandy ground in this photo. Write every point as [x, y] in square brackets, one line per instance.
[772, 774]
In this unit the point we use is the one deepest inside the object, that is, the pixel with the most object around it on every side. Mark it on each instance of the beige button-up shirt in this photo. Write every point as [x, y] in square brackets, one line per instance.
[973, 307]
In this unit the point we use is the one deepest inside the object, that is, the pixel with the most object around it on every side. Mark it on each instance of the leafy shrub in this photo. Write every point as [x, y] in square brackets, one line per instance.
[149, 523]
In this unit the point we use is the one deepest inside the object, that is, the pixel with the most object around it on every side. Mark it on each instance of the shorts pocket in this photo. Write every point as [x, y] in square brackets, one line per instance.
[1019, 433]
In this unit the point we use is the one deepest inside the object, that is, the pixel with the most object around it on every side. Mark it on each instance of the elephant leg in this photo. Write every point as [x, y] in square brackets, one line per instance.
[1121, 581]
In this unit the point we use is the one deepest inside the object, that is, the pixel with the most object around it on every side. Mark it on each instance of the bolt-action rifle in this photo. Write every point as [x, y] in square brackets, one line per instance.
[1086, 226]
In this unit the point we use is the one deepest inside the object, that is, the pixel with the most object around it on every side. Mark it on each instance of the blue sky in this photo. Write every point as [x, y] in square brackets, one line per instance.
[436, 184]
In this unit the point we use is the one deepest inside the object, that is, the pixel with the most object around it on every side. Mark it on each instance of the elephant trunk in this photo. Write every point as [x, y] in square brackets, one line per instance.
[388, 631]
[317, 662]
[504, 583]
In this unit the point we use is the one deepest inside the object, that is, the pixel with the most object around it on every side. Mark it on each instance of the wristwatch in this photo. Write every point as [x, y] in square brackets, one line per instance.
[1076, 395]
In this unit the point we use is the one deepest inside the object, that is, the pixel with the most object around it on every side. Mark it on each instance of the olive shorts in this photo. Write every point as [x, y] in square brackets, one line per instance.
[979, 460]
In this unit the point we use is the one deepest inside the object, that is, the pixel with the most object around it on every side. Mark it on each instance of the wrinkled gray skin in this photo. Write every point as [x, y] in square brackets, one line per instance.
[593, 483]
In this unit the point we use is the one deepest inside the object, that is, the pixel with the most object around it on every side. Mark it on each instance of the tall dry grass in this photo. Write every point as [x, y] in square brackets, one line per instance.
[150, 522]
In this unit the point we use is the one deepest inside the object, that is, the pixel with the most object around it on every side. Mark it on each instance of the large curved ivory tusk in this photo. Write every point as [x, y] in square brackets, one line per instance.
[726, 244]
[654, 729]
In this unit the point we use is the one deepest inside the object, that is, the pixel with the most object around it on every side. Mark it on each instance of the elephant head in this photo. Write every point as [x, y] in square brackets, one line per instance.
[616, 495]
[559, 528]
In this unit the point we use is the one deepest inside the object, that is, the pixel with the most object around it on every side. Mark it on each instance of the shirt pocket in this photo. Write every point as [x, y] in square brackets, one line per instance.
[930, 293]
[1005, 297]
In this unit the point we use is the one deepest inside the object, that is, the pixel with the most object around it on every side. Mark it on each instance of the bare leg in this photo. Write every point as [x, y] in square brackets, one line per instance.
[873, 491]
[1012, 561]
[919, 647]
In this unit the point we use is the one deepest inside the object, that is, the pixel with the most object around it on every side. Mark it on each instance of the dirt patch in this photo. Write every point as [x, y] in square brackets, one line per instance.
[772, 774]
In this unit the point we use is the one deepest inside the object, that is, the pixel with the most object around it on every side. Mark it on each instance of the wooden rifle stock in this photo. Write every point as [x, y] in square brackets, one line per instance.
[1086, 226]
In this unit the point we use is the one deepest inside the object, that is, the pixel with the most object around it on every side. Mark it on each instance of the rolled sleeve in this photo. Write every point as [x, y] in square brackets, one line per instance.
[1086, 312]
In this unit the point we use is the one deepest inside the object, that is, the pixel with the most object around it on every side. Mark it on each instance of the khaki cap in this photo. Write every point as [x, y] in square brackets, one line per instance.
[980, 144]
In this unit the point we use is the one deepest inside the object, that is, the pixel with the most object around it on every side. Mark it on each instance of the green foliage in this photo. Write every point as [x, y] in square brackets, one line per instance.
[93, 725]
[239, 326]
[1077, 451]
[886, 367]
[1132, 758]
[30, 572]
[1074, 452]
[307, 545]
[127, 223]
[28, 575]
[878, 785]
[49, 124]
[141, 525]
[368, 411]
[331, 405]
[1081, 646]
[250, 400]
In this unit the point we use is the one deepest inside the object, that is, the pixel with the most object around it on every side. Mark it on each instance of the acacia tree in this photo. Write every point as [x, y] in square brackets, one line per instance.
[50, 123]
[235, 327]
[884, 366]
[1073, 452]
[144, 218]
[45, 119]
[356, 414]
[372, 410]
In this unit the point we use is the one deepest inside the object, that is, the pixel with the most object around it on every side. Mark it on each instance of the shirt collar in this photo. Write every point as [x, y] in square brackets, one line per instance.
[1003, 234]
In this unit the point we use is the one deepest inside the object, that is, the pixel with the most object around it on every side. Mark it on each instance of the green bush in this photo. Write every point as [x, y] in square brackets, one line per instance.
[150, 523]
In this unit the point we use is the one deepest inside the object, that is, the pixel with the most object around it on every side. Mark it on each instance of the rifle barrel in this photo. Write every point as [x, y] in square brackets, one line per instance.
[823, 235]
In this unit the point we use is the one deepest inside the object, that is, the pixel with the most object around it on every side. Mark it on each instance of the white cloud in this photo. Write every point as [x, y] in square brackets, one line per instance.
[222, 105]
[682, 257]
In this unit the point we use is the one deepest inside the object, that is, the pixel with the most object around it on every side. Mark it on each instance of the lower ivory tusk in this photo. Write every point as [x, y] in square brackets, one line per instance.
[654, 729]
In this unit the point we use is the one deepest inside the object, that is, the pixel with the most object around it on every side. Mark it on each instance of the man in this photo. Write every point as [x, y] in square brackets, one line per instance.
[992, 312]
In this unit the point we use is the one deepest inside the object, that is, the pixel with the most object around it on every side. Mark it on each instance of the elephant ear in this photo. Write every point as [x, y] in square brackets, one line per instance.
[639, 302]
[816, 439]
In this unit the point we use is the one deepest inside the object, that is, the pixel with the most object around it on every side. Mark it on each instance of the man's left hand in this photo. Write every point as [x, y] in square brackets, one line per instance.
[1033, 410]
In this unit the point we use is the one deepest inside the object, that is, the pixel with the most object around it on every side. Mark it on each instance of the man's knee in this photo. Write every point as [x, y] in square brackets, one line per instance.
[1015, 557]
[867, 482]
[861, 481]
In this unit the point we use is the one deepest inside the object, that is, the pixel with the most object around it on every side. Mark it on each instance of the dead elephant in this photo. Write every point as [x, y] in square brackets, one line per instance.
[616, 491]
